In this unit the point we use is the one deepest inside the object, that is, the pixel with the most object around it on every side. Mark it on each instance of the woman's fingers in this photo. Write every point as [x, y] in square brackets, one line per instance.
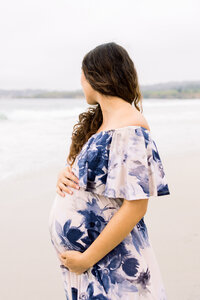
[69, 182]
[59, 191]
[61, 188]
[64, 188]
[66, 178]
[70, 174]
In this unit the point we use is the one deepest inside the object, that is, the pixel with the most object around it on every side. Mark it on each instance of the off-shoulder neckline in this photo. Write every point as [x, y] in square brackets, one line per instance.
[115, 129]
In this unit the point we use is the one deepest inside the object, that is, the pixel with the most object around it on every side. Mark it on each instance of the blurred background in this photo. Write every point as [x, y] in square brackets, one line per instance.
[42, 47]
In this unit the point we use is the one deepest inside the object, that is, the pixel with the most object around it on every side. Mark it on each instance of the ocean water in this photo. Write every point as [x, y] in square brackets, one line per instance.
[35, 133]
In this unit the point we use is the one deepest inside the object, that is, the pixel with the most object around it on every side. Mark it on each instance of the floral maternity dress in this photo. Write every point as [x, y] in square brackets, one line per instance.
[112, 165]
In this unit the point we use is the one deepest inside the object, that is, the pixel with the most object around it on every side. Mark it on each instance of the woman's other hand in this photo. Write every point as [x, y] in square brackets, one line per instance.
[75, 261]
[65, 180]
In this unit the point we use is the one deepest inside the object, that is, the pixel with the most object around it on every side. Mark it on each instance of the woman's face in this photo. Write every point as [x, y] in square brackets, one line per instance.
[89, 92]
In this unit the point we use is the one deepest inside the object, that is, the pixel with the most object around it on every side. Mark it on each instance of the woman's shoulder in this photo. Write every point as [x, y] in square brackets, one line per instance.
[121, 136]
[139, 120]
[122, 162]
[136, 117]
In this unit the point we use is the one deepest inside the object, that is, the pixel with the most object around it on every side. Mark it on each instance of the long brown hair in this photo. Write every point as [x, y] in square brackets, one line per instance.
[110, 71]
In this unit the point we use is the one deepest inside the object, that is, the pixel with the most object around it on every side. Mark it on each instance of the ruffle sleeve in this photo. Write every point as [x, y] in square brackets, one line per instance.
[122, 164]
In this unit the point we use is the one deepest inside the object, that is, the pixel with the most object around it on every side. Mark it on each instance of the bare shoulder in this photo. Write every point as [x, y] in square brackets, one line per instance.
[137, 119]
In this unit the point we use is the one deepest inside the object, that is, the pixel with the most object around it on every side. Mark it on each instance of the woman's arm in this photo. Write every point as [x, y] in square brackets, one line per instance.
[119, 226]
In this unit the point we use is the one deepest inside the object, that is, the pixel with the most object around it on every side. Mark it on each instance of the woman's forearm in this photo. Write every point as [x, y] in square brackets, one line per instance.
[119, 226]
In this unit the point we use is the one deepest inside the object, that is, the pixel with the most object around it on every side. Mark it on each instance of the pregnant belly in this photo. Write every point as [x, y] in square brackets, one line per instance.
[76, 220]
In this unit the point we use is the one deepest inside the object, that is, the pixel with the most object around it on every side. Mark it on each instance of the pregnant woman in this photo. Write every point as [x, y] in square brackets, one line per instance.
[98, 230]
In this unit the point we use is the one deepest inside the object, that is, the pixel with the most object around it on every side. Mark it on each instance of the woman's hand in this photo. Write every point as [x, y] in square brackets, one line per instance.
[75, 261]
[66, 178]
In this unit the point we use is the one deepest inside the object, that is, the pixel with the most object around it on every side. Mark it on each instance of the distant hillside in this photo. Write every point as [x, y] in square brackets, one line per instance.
[181, 90]
[40, 93]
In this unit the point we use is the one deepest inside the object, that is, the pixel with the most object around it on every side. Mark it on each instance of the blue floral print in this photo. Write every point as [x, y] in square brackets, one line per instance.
[113, 165]
[122, 164]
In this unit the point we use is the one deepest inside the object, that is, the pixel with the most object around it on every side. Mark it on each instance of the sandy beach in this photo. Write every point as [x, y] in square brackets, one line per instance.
[33, 150]
[29, 266]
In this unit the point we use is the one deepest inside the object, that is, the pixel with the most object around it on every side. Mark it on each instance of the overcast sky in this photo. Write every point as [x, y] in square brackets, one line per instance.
[43, 41]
